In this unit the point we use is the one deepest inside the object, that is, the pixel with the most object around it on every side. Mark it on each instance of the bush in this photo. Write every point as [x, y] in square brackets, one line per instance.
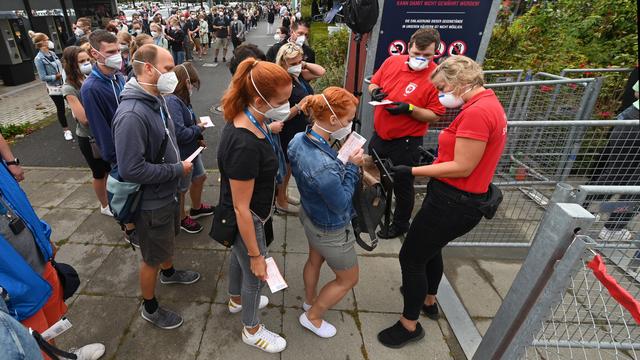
[331, 53]
[11, 131]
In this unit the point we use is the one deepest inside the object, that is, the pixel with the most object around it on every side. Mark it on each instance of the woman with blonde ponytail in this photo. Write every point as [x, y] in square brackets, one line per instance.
[50, 71]
[326, 186]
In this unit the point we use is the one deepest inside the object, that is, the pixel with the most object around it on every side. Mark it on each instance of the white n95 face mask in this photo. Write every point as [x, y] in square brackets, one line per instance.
[341, 133]
[451, 101]
[280, 113]
[51, 45]
[277, 37]
[167, 82]
[418, 63]
[300, 40]
[295, 70]
[85, 68]
[114, 61]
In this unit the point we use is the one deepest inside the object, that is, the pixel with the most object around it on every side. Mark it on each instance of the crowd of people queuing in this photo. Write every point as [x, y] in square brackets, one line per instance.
[129, 86]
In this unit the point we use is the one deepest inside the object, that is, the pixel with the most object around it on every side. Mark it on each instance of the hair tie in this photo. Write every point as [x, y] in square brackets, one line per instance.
[255, 63]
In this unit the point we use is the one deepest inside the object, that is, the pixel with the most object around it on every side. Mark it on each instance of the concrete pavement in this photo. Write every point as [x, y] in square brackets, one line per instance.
[106, 307]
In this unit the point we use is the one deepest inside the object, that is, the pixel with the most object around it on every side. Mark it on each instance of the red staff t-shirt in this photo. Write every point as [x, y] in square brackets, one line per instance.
[404, 85]
[481, 118]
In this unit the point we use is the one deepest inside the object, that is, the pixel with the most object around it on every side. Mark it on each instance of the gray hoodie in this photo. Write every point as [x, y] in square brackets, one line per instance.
[138, 132]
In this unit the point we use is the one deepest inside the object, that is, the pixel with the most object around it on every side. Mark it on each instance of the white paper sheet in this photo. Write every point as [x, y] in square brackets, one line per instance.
[354, 141]
[378, 103]
[274, 277]
[195, 153]
[206, 120]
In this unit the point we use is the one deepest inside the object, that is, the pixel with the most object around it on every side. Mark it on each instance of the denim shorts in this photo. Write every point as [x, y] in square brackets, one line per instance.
[336, 247]
[198, 170]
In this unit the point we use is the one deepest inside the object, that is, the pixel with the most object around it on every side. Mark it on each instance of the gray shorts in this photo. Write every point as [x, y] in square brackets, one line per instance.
[336, 247]
[198, 170]
[157, 230]
[222, 43]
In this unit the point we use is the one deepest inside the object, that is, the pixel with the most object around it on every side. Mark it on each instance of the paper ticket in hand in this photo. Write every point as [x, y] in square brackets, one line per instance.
[195, 153]
[206, 120]
[354, 142]
[274, 278]
[56, 329]
[378, 103]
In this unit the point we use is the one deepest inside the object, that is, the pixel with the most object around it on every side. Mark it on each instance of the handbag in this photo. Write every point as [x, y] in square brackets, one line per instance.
[369, 203]
[224, 226]
[69, 278]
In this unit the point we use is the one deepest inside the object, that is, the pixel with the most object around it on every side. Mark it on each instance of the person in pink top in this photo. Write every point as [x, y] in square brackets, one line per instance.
[459, 193]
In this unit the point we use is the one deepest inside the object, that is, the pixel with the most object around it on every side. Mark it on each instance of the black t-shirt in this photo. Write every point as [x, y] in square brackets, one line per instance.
[286, 22]
[243, 156]
[194, 25]
[224, 22]
[178, 39]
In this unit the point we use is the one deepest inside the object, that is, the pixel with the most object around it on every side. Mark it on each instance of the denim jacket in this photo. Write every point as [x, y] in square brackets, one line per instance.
[326, 185]
[47, 70]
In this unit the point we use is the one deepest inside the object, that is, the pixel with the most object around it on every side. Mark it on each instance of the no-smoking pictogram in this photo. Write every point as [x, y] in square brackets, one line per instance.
[397, 47]
[457, 47]
[442, 48]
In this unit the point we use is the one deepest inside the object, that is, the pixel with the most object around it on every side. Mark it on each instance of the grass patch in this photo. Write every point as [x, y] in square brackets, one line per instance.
[12, 132]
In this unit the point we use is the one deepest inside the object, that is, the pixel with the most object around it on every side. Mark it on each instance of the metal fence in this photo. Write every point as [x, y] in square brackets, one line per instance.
[540, 154]
[556, 308]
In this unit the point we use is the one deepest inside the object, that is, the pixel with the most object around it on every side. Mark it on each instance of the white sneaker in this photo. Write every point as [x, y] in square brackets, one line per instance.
[106, 211]
[236, 308]
[615, 235]
[325, 330]
[264, 340]
[306, 307]
[89, 352]
[67, 135]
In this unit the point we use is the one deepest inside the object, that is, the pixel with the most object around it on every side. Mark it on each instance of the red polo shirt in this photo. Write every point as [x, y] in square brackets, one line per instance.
[481, 118]
[404, 85]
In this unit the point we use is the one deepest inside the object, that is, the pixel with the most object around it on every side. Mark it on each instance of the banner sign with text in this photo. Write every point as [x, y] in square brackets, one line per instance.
[461, 25]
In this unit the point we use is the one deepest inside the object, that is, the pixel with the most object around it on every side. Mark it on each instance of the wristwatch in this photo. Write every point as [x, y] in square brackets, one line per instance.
[15, 161]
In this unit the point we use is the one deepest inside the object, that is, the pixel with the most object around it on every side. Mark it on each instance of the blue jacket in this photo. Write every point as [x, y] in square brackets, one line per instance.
[139, 127]
[326, 185]
[184, 119]
[100, 98]
[28, 291]
[47, 70]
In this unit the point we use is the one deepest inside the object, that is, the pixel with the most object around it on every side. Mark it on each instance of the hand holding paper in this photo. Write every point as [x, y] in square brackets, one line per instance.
[274, 277]
[206, 120]
[195, 153]
[353, 143]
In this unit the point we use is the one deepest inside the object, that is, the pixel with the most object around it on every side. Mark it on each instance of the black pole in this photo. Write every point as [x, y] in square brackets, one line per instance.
[66, 18]
[357, 124]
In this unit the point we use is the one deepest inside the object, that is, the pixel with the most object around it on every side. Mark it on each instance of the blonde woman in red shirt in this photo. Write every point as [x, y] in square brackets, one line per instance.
[459, 193]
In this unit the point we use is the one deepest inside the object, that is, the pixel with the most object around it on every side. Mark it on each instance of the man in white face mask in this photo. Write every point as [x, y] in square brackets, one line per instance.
[401, 125]
[298, 35]
[148, 154]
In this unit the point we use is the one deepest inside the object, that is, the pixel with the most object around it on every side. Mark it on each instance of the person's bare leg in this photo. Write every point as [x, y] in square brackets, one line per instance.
[183, 213]
[311, 275]
[195, 192]
[216, 53]
[148, 277]
[332, 293]
[224, 52]
[281, 197]
[430, 300]
[100, 188]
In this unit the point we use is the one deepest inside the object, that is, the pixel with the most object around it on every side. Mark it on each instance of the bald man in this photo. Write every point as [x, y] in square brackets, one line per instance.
[147, 154]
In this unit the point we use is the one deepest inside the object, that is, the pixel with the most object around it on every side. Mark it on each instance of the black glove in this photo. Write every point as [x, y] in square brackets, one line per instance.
[400, 108]
[401, 170]
[378, 95]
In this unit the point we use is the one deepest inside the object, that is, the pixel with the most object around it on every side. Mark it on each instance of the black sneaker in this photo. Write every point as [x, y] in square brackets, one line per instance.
[430, 311]
[204, 210]
[132, 239]
[163, 318]
[224, 59]
[390, 232]
[184, 277]
[189, 225]
[215, 60]
[397, 336]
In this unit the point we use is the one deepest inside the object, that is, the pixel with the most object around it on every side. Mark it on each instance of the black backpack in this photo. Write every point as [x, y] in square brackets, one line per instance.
[360, 15]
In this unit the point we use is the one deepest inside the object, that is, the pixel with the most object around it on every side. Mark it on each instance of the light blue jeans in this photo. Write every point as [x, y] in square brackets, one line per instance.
[178, 57]
[15, 341]
[241, 280]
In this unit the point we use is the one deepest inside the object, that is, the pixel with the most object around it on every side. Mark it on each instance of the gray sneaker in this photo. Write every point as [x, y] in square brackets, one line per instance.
[163, 318]
[132, 239]
[184, 277]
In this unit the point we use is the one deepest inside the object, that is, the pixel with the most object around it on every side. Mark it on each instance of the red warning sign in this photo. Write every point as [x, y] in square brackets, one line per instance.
[397, 47]
[442, 48]
[457, 47]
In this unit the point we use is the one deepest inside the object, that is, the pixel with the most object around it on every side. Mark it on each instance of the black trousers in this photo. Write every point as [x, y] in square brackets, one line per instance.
[58, 100]
[442, 218]
[403, 151]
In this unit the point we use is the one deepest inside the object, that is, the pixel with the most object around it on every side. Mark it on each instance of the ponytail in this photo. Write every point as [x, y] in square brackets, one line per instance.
[340, 99]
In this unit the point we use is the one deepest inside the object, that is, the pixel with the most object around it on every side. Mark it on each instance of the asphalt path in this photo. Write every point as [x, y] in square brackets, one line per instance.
[47, 147]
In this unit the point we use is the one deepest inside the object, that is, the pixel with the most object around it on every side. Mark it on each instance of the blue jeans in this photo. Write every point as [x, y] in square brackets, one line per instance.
[15, 340]
[178, 56]
[241, 280]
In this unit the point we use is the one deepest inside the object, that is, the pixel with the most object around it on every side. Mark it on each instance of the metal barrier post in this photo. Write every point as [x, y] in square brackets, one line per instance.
[515, 323]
